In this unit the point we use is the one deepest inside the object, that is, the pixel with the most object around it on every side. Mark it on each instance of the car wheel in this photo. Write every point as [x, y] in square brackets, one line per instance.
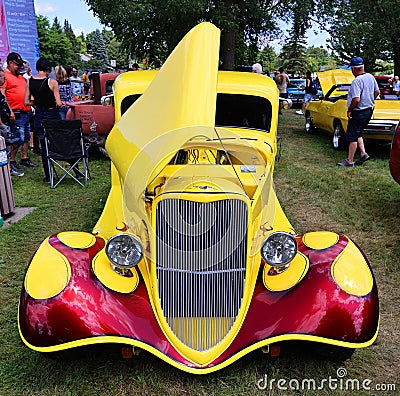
[309, 126]
[339, 141]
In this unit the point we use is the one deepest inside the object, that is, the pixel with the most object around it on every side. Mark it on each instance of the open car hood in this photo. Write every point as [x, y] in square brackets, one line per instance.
[156, 126]
[330, 78]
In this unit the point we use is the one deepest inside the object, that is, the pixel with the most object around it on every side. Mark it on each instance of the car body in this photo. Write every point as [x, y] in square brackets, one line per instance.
[97, 120]
[296, 90]
[394, 160]
[177, 263]
[384, 85]
[330, 112]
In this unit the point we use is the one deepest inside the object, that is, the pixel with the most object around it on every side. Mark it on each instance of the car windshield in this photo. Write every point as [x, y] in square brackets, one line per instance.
[339, 91]
[233, 110]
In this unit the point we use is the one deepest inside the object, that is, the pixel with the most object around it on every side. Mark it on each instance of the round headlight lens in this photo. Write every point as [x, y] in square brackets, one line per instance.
[279, 249]
[124, 250]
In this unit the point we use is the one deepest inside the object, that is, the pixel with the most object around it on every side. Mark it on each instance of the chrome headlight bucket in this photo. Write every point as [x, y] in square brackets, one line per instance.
[124, 251]
[279, 249]
[106, 100]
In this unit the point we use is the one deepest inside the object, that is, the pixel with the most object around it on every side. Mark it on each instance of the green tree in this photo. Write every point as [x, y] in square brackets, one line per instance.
[75, 44]
[116, 52]
[268, 58]
[318, 59]
[81, 44]
[293, 55]
[369, 29]
[53, 43]
[99, 49]
[151, 28]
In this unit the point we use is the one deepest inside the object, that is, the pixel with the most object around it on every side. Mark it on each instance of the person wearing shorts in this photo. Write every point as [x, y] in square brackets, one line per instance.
[14, 90]
[308, 96]
[282, 80]
[360, 106]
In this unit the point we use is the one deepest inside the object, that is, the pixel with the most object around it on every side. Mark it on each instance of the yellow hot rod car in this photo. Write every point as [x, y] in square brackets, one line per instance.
[330, 112]
[193, 258]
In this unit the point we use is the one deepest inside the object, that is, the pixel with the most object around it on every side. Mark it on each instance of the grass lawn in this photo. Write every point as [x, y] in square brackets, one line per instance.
[363, 202]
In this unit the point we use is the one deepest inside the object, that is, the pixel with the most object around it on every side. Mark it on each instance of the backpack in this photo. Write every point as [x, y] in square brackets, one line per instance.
[314, 88]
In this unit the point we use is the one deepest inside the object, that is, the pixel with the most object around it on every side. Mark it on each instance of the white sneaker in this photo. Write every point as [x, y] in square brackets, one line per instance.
[299, 112]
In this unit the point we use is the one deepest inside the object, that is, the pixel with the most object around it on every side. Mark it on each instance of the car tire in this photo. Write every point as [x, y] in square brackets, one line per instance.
[309, 126]
[339, 139]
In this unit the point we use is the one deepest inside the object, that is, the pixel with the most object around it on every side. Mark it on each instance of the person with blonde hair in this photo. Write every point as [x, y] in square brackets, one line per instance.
[65, 89]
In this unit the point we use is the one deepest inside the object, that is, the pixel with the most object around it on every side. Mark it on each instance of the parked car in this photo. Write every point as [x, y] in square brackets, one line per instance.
[193, 258]
[384, 85]
[394, 160]
[97, 120]
[330, 112]
[295, 89]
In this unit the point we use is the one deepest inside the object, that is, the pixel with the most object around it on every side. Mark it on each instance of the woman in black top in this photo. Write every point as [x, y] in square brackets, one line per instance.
[42, 93]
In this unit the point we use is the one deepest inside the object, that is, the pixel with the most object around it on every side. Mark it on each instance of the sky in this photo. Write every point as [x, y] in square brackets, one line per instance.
[82, 20]
[75, 11]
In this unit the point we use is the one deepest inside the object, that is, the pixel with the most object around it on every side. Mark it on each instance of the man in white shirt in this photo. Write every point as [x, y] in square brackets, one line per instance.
[360, 106]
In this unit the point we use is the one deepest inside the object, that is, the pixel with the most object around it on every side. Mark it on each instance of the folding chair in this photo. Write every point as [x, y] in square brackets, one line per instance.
[64, 142]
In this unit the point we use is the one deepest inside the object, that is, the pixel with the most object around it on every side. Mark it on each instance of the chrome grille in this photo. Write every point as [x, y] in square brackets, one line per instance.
[201, 265]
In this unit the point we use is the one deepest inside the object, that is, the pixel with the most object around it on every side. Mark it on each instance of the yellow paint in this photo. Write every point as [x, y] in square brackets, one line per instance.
[290, 277]
[110, 279]
[206, 356]
[141, 145]
[325, 114]
[77, 239]
[320, 240]
[145, 140]
[330, 78]
[111, 220]
[351, 272]
[48, 274]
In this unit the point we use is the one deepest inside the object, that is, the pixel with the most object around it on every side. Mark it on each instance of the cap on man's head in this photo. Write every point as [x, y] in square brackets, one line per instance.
[357, 62]
[14, 57]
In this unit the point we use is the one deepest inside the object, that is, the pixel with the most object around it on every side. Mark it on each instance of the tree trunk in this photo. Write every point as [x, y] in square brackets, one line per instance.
[396, 58]
[228, 37]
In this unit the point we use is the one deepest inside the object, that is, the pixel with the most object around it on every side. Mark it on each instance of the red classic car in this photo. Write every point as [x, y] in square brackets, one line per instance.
[384, 85]
[97, 120]
[193, 258]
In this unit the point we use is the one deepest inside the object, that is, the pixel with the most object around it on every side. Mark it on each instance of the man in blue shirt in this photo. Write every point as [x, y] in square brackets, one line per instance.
[360, 106]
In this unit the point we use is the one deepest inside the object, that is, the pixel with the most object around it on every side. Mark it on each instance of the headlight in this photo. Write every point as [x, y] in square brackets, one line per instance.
[106, 100]
[286, 103]
[279, 249]
[124, 251]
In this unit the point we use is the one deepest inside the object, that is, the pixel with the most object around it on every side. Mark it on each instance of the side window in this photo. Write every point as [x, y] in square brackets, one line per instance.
[128, 101]
[109, 84]
[243, 111]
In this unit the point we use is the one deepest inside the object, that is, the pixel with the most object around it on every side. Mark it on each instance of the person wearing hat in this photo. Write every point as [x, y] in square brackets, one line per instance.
[14, 91]
[360, 106]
